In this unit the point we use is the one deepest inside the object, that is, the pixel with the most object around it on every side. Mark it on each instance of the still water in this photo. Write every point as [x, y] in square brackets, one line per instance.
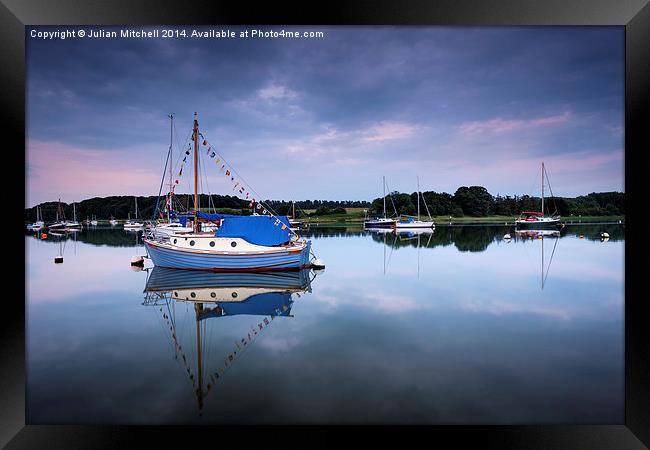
[458, 326]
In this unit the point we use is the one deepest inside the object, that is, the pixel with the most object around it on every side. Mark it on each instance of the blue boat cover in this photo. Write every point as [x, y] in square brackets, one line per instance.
[213, 217]
[259, 230]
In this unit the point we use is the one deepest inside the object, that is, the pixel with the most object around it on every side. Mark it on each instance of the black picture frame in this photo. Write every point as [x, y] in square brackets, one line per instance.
[633, 15]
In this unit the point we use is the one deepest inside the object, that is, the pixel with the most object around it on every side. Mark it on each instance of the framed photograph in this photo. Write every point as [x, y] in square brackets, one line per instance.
[412, 215]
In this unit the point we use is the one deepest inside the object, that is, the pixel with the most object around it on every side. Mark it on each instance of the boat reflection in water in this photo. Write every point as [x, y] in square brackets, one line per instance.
[541, 235]
[265, 295]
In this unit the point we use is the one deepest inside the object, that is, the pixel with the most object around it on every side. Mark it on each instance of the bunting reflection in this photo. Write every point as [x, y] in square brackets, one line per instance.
[265, 296]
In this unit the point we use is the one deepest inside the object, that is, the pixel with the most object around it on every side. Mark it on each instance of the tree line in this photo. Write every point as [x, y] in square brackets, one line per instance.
[476, 201]
[120, 207]
[473, 201]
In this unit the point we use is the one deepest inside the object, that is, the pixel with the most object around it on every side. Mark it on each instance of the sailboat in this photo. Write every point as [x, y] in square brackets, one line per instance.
[537, 218]
[133, 224]
[73, 225]
[65, 225]
[408, 222]
[39, 220]
[295, 223]
[59, 223]
[380, 222]
[241, 243]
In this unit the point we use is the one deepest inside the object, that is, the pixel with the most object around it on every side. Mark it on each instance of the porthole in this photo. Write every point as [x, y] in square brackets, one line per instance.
[192, 243]
[193, 294]
[213, 294]
[234, 295]
[211, 243]
[233, 244]
[175, 241]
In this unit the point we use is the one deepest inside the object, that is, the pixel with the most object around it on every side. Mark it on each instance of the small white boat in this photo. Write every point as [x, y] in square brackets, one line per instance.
[380, 222]
[166, 229]
[93, 222]
[537, 219]
[133, 224]
[113, 222]
[409, 222]
[39, 221]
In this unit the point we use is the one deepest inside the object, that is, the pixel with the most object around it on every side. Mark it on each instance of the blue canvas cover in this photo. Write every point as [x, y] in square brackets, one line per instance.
[259, 230]
[213, 217]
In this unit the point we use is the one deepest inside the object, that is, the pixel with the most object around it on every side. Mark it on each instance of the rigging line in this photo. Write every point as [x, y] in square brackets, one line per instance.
[550, 259]
[207, 185]
[266, 206]
[241, 352]
[169, 338]
[391, 197]
[155, 212]
[550, 189]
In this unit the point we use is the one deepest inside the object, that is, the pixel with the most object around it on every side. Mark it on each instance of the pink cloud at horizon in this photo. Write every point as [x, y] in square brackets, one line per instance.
[72, 173]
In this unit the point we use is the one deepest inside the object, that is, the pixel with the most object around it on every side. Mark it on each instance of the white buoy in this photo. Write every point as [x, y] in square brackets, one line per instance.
[137, 261]
[604, 234]
[507, 236]
[318, 264]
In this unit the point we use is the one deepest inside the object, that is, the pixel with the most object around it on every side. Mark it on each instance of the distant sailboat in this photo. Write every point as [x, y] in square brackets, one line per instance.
[39, 220]
[380, 222]
[73, 225]
[133, 224]
[537, 218]
[408, 222]
[65, 225]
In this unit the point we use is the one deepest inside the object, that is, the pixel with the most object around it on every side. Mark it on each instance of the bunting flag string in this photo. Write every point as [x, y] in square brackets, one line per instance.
[243, 190]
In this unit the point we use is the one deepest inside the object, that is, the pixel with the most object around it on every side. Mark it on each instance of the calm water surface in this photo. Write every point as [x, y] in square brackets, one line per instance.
[455, 327]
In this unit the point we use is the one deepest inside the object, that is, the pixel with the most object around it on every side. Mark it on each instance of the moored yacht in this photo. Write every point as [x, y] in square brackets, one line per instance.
[537, 219]
[380, 222]
[240, 243]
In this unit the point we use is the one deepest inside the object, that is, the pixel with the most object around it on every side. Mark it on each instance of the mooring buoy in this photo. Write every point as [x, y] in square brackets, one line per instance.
[507, 236]
[137, 261]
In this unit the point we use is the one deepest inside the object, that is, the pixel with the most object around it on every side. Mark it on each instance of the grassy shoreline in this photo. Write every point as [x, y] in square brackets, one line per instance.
[355, 216]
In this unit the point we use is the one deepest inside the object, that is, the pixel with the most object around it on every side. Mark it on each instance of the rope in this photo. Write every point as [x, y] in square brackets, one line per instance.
[274, 214]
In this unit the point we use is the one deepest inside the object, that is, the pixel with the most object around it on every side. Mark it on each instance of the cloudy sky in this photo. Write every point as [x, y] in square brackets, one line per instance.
[325, 118]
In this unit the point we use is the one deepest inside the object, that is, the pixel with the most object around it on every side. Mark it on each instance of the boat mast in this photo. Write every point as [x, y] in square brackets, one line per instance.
[542, 188]
[418, 177]
[196, 172]
[169, 197]
[198, 307]
[384, 180]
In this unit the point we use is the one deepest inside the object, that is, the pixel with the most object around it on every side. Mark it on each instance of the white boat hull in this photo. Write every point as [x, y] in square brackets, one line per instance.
[414, 225]
[194, 252]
